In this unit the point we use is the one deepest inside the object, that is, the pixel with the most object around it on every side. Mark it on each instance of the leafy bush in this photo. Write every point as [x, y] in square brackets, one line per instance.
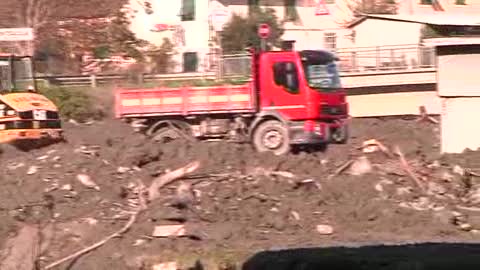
[73, 103]
[241, 32]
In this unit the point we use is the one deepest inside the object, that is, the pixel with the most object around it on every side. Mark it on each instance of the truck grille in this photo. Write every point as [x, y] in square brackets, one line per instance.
[49, 124]
[29, 115]
[333, 110]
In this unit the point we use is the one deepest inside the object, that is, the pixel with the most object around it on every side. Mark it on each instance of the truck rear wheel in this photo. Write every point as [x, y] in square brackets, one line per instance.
[165, 135]
[271, 136]
[174, 130]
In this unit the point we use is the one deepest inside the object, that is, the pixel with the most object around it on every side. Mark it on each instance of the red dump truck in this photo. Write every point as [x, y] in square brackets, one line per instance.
[293, 98]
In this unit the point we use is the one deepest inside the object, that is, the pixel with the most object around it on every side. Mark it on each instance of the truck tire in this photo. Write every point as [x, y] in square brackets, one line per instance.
[271, 136]
[340, 135]
[174, 130]
[165, 135]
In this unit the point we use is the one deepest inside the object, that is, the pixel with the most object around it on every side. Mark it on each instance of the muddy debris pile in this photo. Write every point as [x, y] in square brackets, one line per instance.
[127, 202]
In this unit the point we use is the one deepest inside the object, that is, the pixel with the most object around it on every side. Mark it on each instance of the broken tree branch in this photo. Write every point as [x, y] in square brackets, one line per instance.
[407, 168]
[341, 168]
[367, 147]
[168, 178]
[153, 194]
[425, 117]
[79, 253]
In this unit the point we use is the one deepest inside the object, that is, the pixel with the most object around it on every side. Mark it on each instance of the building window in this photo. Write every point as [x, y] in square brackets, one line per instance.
[291, 14]
[190, 62]
[253, 5]
[460, 2]
[188, 10]
[426, 2]
[330, 41]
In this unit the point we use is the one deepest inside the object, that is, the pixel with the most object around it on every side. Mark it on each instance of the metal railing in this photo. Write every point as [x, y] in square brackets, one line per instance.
[353, 61]
[95, 80]
[368, 59]
[361, 59]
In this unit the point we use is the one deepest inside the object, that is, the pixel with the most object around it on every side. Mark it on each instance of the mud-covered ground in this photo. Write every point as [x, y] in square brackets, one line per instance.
[243, 201]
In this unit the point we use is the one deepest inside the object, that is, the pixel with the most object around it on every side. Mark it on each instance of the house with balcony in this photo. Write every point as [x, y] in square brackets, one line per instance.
[402, 40]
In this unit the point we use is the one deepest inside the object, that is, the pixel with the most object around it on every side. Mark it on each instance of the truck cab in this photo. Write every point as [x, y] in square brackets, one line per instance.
[25, 115]
[302, 89]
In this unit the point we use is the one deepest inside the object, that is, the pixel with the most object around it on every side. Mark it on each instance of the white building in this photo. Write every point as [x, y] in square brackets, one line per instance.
[191, 24]
[184, 22]
[398, 37]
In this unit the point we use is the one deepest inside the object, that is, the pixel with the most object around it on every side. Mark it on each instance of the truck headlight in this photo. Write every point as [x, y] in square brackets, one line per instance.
[11, 112]
[2, 126]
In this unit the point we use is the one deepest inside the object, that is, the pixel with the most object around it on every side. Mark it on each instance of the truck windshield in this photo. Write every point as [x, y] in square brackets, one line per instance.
[321, 71]
[16, 74]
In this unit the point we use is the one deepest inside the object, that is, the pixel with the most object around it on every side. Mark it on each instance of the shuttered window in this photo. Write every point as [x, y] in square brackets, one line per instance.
[188, 10]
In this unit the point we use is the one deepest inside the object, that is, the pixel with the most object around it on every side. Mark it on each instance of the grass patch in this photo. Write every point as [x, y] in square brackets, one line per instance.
[73, 103]
[187, 83]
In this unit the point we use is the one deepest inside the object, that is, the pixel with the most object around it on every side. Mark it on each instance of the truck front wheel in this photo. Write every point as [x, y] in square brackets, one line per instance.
[271, 136]
[340, 135]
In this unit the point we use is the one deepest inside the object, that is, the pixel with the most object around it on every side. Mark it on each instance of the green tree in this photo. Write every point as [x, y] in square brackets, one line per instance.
[44, 16]
[162, 57]
[241, 32]
[121, 39]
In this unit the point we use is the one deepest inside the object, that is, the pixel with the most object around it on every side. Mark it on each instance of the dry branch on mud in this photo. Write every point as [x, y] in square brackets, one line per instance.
[238, 198]
[153, 194]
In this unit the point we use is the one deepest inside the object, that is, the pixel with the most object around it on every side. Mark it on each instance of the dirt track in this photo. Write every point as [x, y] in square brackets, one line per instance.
[245, 210]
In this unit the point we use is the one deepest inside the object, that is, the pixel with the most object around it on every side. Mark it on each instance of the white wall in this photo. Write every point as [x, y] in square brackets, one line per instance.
[458, 131]
[457, 74]
[166, 12]
[377, 32]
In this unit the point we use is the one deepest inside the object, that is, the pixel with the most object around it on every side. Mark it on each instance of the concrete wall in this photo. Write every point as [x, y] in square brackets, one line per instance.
[458, 131]
[393, 104]
[377, 32]
[459, 88]
[458, 73]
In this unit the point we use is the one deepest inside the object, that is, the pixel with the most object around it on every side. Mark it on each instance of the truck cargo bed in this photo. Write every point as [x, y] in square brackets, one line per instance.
[184, 101]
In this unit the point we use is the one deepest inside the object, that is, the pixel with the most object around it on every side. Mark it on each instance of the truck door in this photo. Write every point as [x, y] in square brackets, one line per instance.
[282, 89]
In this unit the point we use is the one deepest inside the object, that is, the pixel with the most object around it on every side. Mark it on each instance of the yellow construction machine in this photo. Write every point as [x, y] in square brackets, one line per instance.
[25, 115]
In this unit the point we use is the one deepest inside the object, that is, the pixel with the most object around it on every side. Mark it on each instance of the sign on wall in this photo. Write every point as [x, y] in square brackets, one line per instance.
[321, 8]
[219, 17]
[16, 34]
[160, 27]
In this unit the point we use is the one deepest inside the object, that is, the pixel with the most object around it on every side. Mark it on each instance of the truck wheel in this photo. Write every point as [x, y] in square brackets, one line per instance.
[173, 131]
[340, 135]
[271, 136]
[165, 135]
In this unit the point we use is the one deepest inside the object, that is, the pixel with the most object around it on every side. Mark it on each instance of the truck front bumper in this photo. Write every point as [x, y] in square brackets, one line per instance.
[30, 135]
[319, 135]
